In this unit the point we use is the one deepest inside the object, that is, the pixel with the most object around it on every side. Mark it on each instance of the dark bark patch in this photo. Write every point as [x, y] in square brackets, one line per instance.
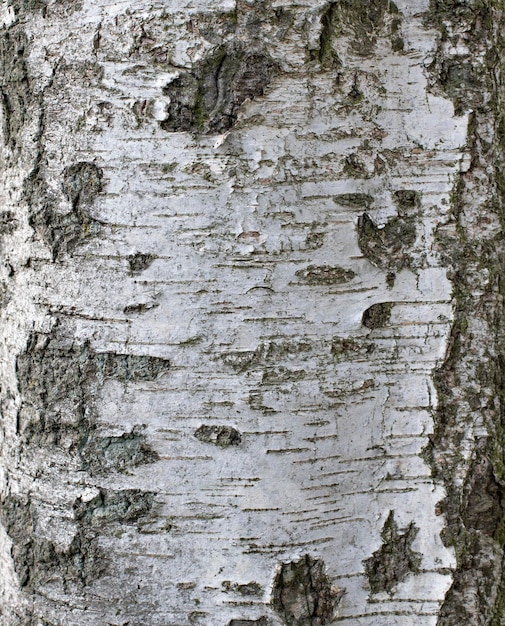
[362, 23]
[348, 348]
[246, 589]
[395, 560]
[101, 455]
[82, 182]
[262, 621]
[407, 200]
[15, 89]
[8, 223]
[387, 247]
[377, 315]
[28, 6]
[243, 360]
[37, 560]
[222, 436]
[140, 261]
[303, 595]
[484, 501]
[324, 275]
[125, 507]
[58, 380]
[354, 200]
[207, 99]
[269, 353]
[62, 232]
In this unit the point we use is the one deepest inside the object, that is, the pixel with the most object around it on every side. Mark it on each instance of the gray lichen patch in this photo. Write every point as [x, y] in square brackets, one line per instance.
[208, 98]
[324, 275]
[394, 560]
[15, 89]
[222, 436]
[101, 455]
[362, 23]
[377, 315]
[37, 560]
[125, 507]
[303, 594]
[389, 246]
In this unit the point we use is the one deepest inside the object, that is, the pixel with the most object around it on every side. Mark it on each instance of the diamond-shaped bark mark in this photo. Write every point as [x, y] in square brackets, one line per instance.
[394, 560]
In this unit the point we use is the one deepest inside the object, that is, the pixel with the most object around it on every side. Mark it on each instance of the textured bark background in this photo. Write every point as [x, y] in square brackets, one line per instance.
[251, 293]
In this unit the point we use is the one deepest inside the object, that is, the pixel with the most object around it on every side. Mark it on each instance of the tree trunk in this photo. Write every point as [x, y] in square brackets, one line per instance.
[252, 296]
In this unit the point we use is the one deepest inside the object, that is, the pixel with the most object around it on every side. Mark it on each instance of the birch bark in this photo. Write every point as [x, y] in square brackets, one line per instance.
[251, 290]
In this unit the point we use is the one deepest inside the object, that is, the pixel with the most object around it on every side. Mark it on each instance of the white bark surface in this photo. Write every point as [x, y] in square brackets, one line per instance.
[241, 293]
